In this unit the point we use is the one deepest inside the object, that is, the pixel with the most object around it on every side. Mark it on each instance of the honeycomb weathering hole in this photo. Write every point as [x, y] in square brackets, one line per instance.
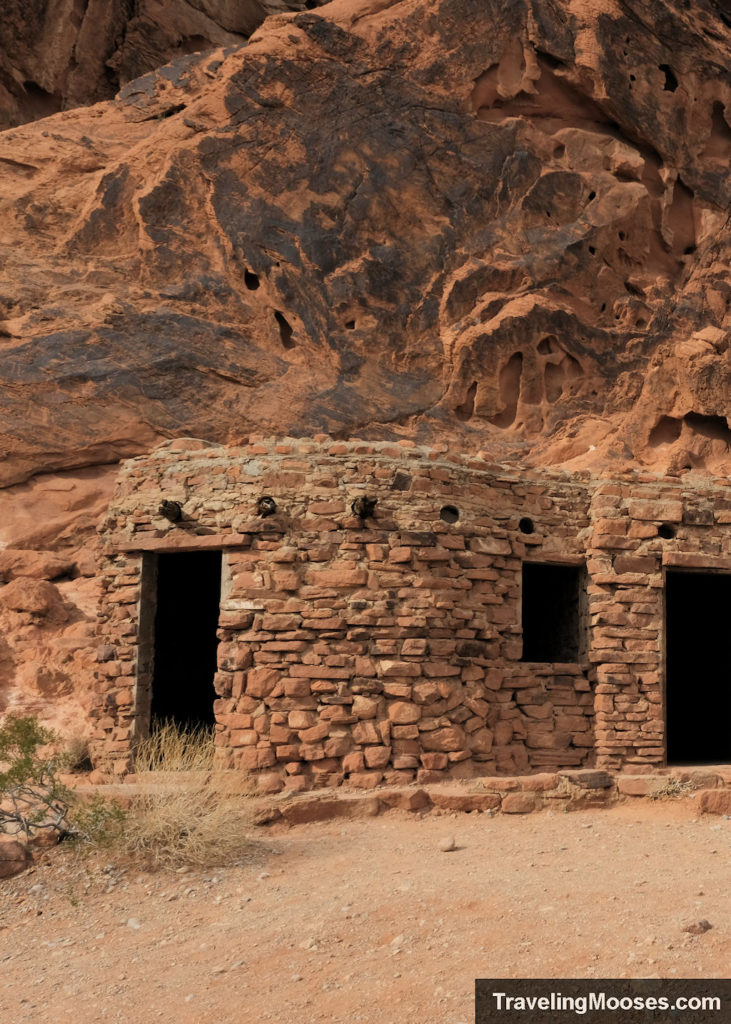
[666, 431]
[466, 410]
[553, 376]
[285, 329]
[714, 427]
[671, 82]
[509, 389]
[547, 346]
[449, 514]
[669, 428]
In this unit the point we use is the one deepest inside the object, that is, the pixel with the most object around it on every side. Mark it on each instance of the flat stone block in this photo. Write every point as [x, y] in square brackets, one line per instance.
[461, 800]
[519, 803]
[302, 811]
[589, 778]
[539, 783]
[638, 785]
[501, 785]
[404, 799]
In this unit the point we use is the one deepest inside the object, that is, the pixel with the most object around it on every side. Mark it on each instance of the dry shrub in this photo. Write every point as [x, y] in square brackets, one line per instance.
[76, 757]
[184, 820]
[672, 788]
[187, 824]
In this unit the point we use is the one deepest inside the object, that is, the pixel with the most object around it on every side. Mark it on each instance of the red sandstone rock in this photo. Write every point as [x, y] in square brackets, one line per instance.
[714, 801]
[450, 738]
[365, 780]
[539, 783]
[270, 783]
[699, 777]
[14, 857]
[405, 799]
[459, 800]
[55, 58]
[29, 595]
[519, 803]
[502, 784]
[589, 778]
[637, 785]
[609, 155]
[403, 712]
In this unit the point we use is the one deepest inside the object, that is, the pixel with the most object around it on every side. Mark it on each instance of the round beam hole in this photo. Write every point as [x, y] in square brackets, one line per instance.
[526, 525]
[449, 514]
[666, 531]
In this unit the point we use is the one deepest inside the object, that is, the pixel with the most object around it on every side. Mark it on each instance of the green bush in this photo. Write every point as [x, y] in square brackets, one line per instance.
[32, 800]
[97, 822]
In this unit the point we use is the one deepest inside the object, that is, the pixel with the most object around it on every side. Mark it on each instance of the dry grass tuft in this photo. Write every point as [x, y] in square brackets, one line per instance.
[183, 820]
[172, 748]
[190, 824]
[177, 815]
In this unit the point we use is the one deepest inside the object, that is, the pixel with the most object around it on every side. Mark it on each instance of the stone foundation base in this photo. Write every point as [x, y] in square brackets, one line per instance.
[708, 787]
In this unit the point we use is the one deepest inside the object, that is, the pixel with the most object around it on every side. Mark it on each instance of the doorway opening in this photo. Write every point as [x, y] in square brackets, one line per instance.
[188, 596]
[697, 668]
[552, 612]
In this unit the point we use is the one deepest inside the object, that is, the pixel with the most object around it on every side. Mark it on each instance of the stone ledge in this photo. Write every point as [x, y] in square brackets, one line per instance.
[564, 790]
[695, 560]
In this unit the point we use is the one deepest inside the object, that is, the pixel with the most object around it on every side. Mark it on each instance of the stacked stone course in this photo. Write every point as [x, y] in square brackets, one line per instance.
[388, 650]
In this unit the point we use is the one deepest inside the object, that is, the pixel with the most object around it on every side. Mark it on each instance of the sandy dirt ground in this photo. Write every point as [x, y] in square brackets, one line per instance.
[365, 921]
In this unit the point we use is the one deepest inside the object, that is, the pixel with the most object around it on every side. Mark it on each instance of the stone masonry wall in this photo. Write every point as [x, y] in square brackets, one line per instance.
[626, 557]
[389, 649]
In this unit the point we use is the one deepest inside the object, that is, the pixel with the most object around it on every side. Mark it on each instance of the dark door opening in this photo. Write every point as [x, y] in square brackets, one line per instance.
[552, 601]
[697, 668]
[186, 620]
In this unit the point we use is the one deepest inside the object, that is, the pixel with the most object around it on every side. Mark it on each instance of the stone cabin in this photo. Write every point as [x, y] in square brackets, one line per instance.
[477, 620]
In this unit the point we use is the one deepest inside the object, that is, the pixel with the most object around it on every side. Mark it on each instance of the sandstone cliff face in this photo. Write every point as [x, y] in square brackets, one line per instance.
[505, 225]
[58, 54]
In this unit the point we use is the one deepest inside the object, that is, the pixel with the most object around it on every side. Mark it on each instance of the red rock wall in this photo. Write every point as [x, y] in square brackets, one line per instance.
[71, 53]
[503, 224]
[390, 650]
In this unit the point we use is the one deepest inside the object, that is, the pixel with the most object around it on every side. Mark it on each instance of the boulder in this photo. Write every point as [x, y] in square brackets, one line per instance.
[14, 857]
